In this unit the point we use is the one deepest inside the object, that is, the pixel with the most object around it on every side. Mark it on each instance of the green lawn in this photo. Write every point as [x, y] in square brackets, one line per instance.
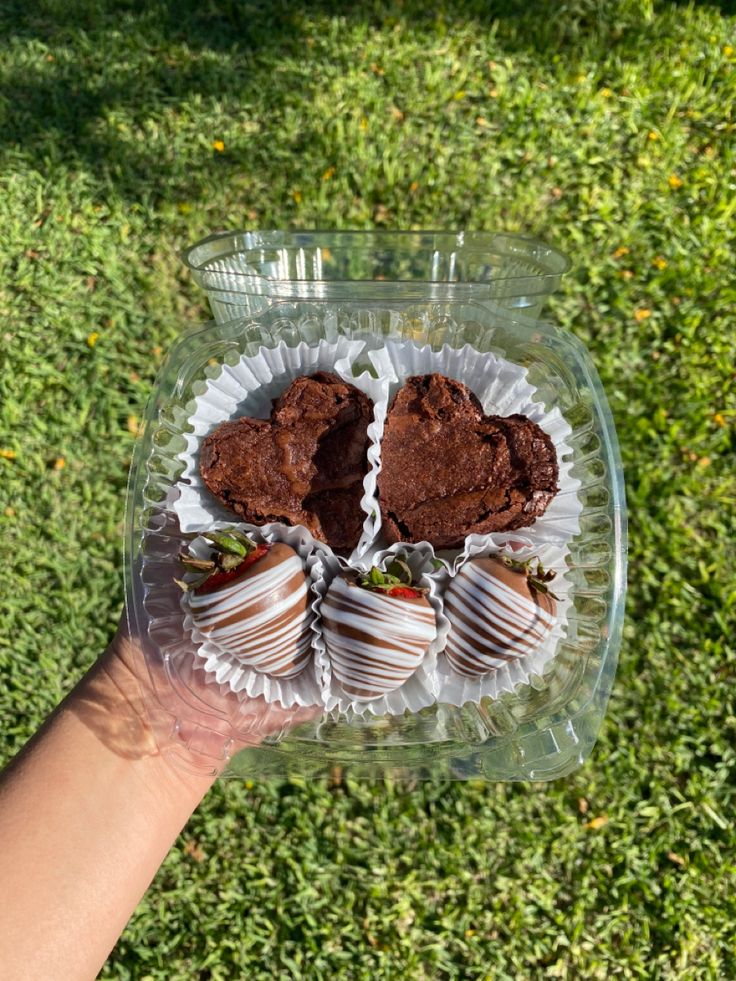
[607, 128]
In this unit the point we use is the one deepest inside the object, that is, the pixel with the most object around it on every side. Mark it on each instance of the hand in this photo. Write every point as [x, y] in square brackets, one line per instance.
[172, 708]
[175, 712]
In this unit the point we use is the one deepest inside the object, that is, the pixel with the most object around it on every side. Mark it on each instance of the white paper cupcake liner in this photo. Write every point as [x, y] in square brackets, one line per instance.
[224, 668]
[418, 691]
[248, 388]
[503, 389]
[455, 689]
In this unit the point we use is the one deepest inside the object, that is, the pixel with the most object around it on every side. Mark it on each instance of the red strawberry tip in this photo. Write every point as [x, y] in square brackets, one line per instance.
[404, 592]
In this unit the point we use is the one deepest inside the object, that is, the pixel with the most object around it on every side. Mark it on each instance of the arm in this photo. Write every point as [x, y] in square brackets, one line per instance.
[88, 811]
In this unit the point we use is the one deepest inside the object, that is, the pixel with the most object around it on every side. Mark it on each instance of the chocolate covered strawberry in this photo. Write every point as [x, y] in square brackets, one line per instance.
[377, 628]
[251, 600]
[500, 609]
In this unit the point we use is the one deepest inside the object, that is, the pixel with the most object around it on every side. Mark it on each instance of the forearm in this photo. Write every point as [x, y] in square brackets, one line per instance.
[88, 812]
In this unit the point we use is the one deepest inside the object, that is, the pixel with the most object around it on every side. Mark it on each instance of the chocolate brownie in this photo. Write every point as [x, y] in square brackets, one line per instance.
[303, 466]
[448, 470]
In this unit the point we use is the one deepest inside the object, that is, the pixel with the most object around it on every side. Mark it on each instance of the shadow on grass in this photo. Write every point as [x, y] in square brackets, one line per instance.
[80, 74]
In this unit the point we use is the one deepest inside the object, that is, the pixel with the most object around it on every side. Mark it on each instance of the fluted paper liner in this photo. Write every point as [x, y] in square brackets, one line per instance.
[223, 668]
[503, 389]
[418, 691]
[455, 689]
[248, 388]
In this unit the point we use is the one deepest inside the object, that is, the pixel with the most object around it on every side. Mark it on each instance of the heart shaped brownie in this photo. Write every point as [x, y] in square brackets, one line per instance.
[303, 466]
[448, 470]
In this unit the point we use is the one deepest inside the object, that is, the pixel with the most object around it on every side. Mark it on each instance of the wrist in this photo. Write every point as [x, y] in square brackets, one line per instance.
[116, 702]
[189, 731]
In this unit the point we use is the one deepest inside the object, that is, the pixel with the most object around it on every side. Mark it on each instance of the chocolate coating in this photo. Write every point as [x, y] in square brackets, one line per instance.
[495, 617]
[448, 470]
[375, 642]
[303, 466]
[263, 617]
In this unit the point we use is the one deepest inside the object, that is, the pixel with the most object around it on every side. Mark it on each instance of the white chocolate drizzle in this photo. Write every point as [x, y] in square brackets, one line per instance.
[264, 620]
[374, 641]
[491, 623]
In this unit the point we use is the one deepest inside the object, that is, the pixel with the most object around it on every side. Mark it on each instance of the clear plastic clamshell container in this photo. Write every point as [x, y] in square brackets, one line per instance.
[244, 273]
[541, 730]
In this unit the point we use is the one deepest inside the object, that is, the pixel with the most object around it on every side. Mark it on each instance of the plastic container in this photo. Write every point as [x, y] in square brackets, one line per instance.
[244, 273]
[543, 730]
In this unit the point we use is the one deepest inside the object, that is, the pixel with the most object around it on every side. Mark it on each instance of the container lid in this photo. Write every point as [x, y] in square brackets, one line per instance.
[379, 265]
[538, 731]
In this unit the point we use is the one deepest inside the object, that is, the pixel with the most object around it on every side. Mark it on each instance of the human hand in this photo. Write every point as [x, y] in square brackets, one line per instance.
[172, 708]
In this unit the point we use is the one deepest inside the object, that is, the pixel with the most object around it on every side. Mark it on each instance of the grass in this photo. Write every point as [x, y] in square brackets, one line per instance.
[606, 128]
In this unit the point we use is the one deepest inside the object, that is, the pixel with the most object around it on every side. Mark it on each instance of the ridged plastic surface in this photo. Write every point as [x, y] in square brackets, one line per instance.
[244, 273]
[542, 731]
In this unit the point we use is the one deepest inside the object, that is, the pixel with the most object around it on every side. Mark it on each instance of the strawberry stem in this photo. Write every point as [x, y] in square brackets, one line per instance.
[398, 575]
[537, 579]
[231, 548]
